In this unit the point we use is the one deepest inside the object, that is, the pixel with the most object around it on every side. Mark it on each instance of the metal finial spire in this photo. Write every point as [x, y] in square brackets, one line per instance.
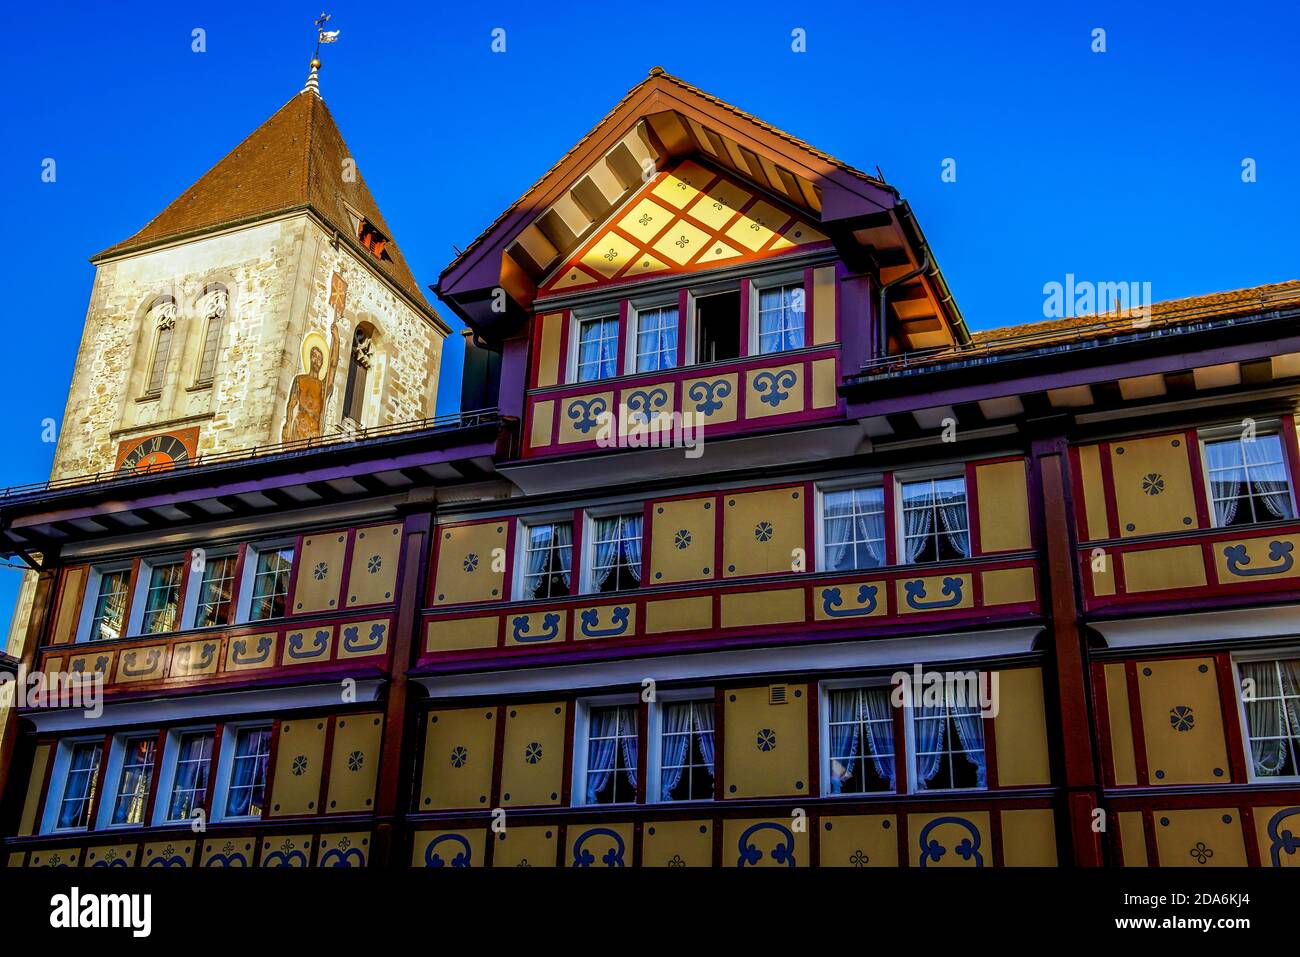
[322, 36]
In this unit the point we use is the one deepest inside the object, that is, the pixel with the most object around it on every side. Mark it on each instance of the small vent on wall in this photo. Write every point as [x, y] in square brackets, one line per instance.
[776, 694]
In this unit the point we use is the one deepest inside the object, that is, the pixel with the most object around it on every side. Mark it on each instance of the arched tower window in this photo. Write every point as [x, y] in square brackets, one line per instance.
[162, 316]
[354, 394]
[212, 305]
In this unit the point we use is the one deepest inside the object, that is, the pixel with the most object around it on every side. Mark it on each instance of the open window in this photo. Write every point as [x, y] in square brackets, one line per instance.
[716, 326]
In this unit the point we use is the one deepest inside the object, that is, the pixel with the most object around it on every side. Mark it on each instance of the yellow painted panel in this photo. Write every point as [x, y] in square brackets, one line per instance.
[299, 760]
[772, 606]
[465, 848]
[682, 540]
[525, 847]
[823, 324]
[962, 840]
[173, 853]
[766, 744]
[32, 803]
[586, 418]
[1101, 565]
[1028, 837]
[934, 593]
[459, 750]
[471, 562]
[70, 604]
[100, 660]
[320, 572]
[572, 277]
[868, 840]
[855, 599]
[363, 639]
[646, 413]
[141, 664]
[681, 243]
[643, 265]
[677, 844]
[538, 628]
[1204, 837]
[543, 421]
[1133, 839]
[251, 652]
[372, 576]
[609, 254]
[824, 384]
[532, 762]
[645, 220]
[17, 859]
[678, 614]
[719, 203]
[683, 184]
[763, 842]
[110, 855]
[774, 391]
[344, 850]
[308, 646]
[598, 845]
[1272, 825]
[354, 763]
[716, 252]
[190, 658]
[604, 621]
[460, 633]
[228, 852]
[1121, 725]
[1007, 586]
[757, 225]
[1156, 569]
[1020, 729]
[763, 532]
[1257, 559]
[1003, 506]
[1094, 493]
[1153, 485]
[287, 850]
[62, 857]
[711, 400]
[1182, 721]
[548, 349]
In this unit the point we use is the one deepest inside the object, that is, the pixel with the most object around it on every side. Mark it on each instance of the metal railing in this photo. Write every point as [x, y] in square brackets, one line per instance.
[343, 437]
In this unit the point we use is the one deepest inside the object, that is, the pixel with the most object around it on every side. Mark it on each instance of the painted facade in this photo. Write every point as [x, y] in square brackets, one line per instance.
[748, 465]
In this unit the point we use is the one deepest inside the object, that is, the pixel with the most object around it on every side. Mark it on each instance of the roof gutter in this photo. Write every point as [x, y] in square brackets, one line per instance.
[946, 300]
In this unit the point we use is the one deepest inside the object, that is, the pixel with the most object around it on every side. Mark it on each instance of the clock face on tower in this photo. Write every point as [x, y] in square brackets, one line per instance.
[157, 453]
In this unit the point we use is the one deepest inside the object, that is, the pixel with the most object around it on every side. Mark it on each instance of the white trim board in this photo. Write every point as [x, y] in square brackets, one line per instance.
[1276, 622]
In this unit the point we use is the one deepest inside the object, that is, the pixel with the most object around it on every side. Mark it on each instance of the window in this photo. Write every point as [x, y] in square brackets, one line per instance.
[214, 313]
[354, 393]
[860, 741]
[162, 598]
[216, 589]
[189, 789]
[132, 798]
[373, 240]
[246, 786]
[717, 327]
[935, 527]
[270, 582]
[614, 558]
[109, 618]
[79, 784]
[686, 751]
[163, 316]
[610, 773]
[655, 343]
[597, 349]
[780, 318]
[853, 528]
[1272, 707]
[1248, 480]
[948, 745]
[548, 558]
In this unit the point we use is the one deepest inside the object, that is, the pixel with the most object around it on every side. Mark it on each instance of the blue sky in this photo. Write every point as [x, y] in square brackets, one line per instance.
[1116, 166]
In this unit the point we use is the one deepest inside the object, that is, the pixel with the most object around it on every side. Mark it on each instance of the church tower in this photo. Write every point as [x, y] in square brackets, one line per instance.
[268, 303]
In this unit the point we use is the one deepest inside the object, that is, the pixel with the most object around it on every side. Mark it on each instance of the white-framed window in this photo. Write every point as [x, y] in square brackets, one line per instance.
[103, 616]
[605, 752]
[613, 553]
[186, 774]
[157, 606]
[653, 338]
[776, 314]
[267, 571]
[1246, 477]
[852, 528]
[241, 772]
[74, 781]
[210, 600]
[933, 521]
[858, 742]
[595, 349]
[945, 744]
[681, 748]
[545, 559]
[1268, 691]
[130, 772]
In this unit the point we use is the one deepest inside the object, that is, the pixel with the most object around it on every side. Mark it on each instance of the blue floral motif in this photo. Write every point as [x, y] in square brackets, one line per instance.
[915, 591]
[533, 753]
[1181, 718]
[643, 405]
[1200, 853]
[611, 858]
[1153, 483]
[682, 540]
[355, 760]
[773, 387]
[459, 755]
[750, 854]
[462, 855]
[320, 571]
[299, 765]
[586, 413]
[705, 395]
[1278, 552]
[767, 740]
[832, 599]
[471, 562]
[764, 531]
[1284, 840]
[968, 849]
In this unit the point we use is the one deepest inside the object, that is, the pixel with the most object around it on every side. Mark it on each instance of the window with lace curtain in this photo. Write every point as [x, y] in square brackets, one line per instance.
[859, 741]
[685, 731]
[547, 560]
[1270, 698]
[1248, 480]
[614, 556]
[853, 528]
[610, 771]
[935, 525]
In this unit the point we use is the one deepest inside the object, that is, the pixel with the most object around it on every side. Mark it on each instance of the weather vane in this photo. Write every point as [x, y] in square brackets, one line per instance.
[323, 36]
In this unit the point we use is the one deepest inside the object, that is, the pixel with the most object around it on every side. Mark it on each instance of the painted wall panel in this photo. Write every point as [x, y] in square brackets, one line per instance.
[1275, 829]
[682, 540]
[1256, 559]
[771, 606]
[868, 840]
[1182, 721]
[319, 572]
[32, 803]
[934, 593]
[1095, 523]
[763, 532]
[1155, 569]
[365, 639]
[677, 844]
[763, 842]
[461, 633]
[950, 839]
[823, 299]
[300, 759]
[766, 744]
[173, 853]
[540, 627]
[60, 857]
[308, 646]
[70, 604]
[110, 855]
[712, 400]
[459, 752]
[1029, 838]
[526, 847]
[539, 432]
[1008, 586]
[1121, 725]
[1153, 485]
[548, 349]
[598, 845]
[1132, 835]
[1020, 729]
[824, 384]
[1003, 500]
[532, 762]
[776, 390]
[287, 850]
[228, 852]
[372, 574]
[678, 614]
[583, 418]
[344, 850]
[1200, 838]
[354, 762]
[459, 848]
[471, 563]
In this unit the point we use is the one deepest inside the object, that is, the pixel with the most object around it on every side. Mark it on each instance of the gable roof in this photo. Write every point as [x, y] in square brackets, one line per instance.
[294, 160]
